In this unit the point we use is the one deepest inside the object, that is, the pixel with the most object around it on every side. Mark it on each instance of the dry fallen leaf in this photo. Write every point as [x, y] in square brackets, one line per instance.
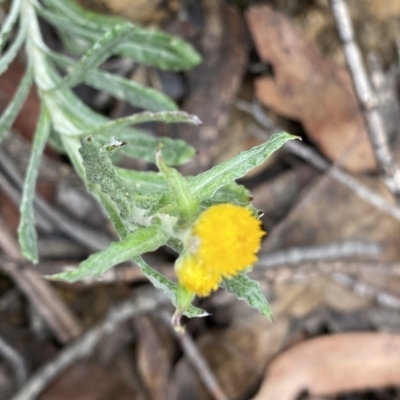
[334, 364]
[311, 89]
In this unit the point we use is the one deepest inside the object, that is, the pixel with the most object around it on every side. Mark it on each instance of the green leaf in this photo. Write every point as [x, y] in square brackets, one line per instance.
[169, 288]
[26, 230]
[76, 116]
[248, 290]
[9, 22]
[136, 243]
[157, 49]
[231, 193]
[168, 117]
[122, 88]
[12, 51]
[205, 185]
[142, 144]
[100, 171]
[14, 107]
[72, 146]
[146, 187]
[98, 54]
[134, 93]
[81, 16]
[149, 181]
[187, 204]
[149, 47]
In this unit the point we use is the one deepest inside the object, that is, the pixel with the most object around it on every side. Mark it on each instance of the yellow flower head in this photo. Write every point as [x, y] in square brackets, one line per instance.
[224, 241]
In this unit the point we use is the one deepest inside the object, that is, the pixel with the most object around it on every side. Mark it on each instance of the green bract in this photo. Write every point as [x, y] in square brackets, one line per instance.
[148, 209]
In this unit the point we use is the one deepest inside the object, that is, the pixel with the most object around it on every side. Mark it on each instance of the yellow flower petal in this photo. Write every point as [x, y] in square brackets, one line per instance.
[195, 278]
[225, 240]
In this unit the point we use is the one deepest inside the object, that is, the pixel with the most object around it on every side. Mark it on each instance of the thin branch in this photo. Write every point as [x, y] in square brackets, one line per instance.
[382, 297]
[15, 360]
[84, 346]
[311, 156]
[46, 301]
[308, 270]
[298, 255]
[196, 359]
[366, 97]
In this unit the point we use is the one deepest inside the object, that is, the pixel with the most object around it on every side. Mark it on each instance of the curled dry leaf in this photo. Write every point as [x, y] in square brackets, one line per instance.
[334, 364]
[311, 89]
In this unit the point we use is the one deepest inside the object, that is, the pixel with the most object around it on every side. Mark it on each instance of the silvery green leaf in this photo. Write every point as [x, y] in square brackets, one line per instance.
[100, 51]
[72, 147]
[168, 117]
[147, 181]
[206, 184]
[100, 171]
[9, 22]
[134, 93]
[26, 230]
[248, 290]
[13, 49]
[157, 49]
[139, 143]
[187, 204]
[140, 241]
[149, 47]
[78, 15]
[142, 144]
[146, 187]
[231, 193]
[15, 105]
[168, 287]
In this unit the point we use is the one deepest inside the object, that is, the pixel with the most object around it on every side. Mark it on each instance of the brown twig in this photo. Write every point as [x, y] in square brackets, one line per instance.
[15, 360]
[196, 359]
[49, 305]
[83, 347]
[366, 97]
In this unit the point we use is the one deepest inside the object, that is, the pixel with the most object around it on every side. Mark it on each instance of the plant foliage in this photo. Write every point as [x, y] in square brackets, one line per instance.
[148, 209]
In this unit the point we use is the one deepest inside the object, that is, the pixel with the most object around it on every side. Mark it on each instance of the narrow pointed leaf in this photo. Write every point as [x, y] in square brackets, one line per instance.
[140, 143]
[9, 22]
[82, 16]
[134, 93]
[136, 243]
[187, 204]
[26, 230]
[143, 145]
[168, 287]
[206, 184]
[12, 51]
[149, 47]
[168, 117]
[157, 49]
[15, 106]
[122, 88]
[100, 51]
[248, 290]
